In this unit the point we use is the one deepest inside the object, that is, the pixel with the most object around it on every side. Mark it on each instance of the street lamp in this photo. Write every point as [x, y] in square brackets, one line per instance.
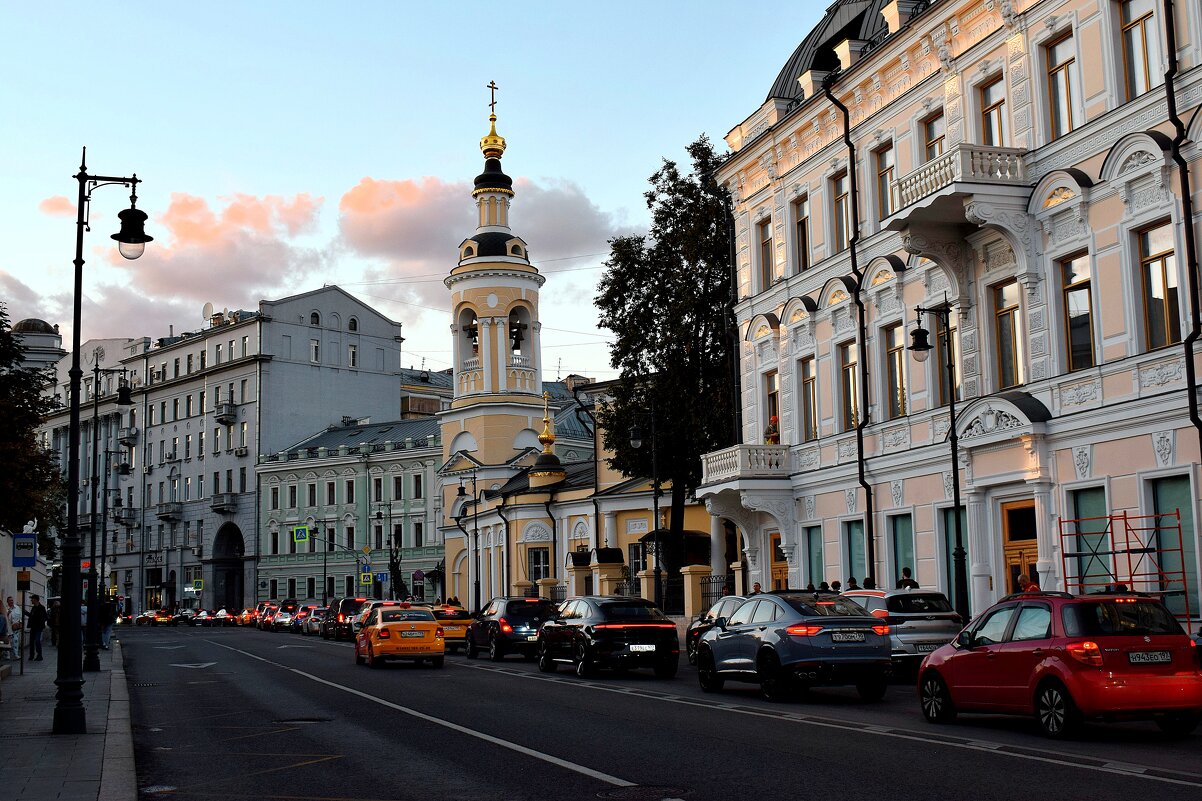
[636, 442]
[69, 714]
[91, 656]
[921, 348]
[475, 535]
[394, 552]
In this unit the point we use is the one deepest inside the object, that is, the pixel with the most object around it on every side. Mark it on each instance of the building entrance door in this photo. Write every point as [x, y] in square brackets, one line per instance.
[1020, 547]
[780, 566]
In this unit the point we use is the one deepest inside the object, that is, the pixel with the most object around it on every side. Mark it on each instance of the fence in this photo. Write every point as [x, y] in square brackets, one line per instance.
[559, 593]
[714, 587]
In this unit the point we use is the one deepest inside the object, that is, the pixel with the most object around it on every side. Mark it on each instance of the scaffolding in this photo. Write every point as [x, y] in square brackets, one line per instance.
[1118, 552]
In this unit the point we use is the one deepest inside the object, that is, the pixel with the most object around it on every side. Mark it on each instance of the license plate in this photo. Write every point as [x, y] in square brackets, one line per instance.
[454, 629]
[1149, 657]
[531, 637]
[413, 634]
[847, 636]
[640, 647]
[926, 647]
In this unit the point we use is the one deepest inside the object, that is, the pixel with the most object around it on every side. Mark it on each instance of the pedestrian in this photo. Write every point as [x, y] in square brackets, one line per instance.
[869, 583]
[4, 636]
[824, 587]
[851, 584]
[16, 625]
[1024, 584]
[756, 589]
[37, 627]
[907, 582]
[836, 586]
[108, 616]
[83, 620]
[810, 587]
[54, 614]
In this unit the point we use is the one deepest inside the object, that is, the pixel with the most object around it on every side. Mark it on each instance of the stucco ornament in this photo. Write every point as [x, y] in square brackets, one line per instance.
[1162, 445]
[896, 489]
[947, 485]
[1081, 459]
[989, 421]
[851, 500]
[809, 507]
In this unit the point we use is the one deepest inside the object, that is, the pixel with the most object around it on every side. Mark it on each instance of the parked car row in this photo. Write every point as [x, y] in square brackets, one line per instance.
[186, 617]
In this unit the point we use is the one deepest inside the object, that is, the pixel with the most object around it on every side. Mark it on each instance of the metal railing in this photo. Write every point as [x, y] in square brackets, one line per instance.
[630, 589]
[713, 588]
[559, 593]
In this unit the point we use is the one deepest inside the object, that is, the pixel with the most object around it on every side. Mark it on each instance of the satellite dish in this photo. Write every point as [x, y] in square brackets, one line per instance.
[225, 312]
[206, 313]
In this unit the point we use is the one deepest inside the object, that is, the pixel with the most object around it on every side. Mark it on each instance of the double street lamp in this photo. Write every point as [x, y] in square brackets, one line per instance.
[921, 348]
[636, 442]
[462, 494]
[69, 714]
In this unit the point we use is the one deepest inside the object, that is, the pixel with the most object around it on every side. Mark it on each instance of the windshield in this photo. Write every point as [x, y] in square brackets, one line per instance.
[824, 605]
[450, 614]
[535, 608]
[1118, 618]
[395, 615]
[930, 602]
[628, 609]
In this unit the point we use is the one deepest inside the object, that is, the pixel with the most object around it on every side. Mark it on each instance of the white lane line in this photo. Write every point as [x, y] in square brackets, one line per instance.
[894, 733]
[563, 763]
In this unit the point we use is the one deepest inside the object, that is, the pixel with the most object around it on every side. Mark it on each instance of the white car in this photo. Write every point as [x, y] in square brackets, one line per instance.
[281, 620]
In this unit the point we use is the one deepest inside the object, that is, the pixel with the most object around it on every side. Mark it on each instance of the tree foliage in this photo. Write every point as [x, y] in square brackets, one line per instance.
[666, 296]
[31, 485]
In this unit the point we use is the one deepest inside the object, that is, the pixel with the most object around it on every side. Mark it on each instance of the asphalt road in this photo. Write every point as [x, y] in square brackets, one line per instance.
[243, 714]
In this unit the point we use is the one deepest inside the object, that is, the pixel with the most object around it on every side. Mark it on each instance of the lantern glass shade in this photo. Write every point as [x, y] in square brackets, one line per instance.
[920, 344]
[132, 238]
[636, 437]
[131, 250]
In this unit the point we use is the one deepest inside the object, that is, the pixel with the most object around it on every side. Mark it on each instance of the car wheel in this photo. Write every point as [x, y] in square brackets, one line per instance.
[545, 663]
[873, 689]
[1055, 711]
[1178, 724]
[774, 683]
[584, 662]
[666, 669]
[358, 659]
[470, 650]
[438, 661]
[936, 701]
[707, 673]
[495, 652]
[372, 661]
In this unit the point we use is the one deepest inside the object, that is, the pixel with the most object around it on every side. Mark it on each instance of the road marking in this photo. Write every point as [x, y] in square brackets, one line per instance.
[1123, 769]
[195, 665]
[296, 646]
[168, 647]
[530, 752]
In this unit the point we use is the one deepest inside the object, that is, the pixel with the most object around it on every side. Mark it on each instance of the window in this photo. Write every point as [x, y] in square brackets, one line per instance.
[809, 400]
[1170, 495]
[764, 235]
[291, 588]
[1005, 329]
[1061, 61]
[840, 211]
[245, 345]
[992, 628]
[1075, 275]
[275, 543]
[942, 333]
[217, 354]
[418, 534]
[292, 497]
[847, 386]
[187, 446]
[204, 358]
[242, 435]
[187, 406]
[291, 543]
[812, 537]
[314, 319]
[378, 531]
[311, 494]
[275, 587]
[417, 487]
[352, 324]
[1141, 47]
[398, 535]
[174, 409]
[275, 498]
[241, 479]
[350, 491]
[1090, 524]
[1158, 272]
[901, 531]
[949, 548]
[398, 488]
[243, 397]
[330, 493]
[311, 585]
[537, 564]
[200, 486]
[200, 402]
[801, 230]
[934, 129]
[187, 488]
[150, 414]
[895, 369]
[884, 180]
[175, 366]
[216, 440]
[857, 559]
[315, 351]
[636, 557]
[350, 537]
[772, 402]
[993, 112]
[216, 482]
[377, 489]
[188, 362]
[352, 356]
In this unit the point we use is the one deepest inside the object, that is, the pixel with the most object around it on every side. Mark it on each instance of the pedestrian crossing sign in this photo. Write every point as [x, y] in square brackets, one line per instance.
[365, 578]
[300, 534]
[198, 584]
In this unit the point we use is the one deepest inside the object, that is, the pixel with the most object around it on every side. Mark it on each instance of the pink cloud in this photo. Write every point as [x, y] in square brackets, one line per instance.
[57, 206]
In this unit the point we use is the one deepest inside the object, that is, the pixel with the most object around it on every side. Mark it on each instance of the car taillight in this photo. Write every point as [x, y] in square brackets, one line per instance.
[341, 619]
[881, 630]
[505, 627]
[803, 631]
[438, 632]
[635, 626]
[383, 634]
[1087, 653]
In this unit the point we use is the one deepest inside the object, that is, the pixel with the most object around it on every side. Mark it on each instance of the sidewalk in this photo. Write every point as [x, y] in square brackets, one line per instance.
[40, 766]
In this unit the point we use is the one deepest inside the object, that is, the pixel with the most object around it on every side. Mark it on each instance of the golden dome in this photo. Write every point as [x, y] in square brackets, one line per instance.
[492, 145]
[546, 438]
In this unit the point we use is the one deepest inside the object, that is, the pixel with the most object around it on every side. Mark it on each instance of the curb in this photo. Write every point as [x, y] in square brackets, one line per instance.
[118, 777]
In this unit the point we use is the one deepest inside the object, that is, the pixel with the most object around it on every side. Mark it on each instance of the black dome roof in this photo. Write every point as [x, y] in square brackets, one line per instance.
[34, 326]
[493, 176]
[846, 19]
[546, 460]
[494, 243]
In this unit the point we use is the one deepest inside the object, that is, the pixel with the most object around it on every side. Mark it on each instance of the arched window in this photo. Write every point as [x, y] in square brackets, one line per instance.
[352, 324]
[468, 252]
[314, 319]
[516, 250]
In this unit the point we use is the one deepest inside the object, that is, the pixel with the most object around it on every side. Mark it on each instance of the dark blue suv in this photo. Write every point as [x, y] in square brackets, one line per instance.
[788, 641]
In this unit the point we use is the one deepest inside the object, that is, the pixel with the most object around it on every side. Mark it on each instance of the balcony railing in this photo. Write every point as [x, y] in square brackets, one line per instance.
[224, 502]
[225, 413]
[169, 510]
[125, 515]
[745, 461]
[518, 360]
[127, 435]
[964, 162]
[472, 363]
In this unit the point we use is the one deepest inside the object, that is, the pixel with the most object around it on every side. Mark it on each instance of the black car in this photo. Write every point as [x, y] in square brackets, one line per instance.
[725, 607]
[337, 624]
[508, 625]
[609, 631]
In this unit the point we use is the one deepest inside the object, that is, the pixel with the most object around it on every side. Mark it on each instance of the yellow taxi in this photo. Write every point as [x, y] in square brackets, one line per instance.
[454, 620]
[400, 632]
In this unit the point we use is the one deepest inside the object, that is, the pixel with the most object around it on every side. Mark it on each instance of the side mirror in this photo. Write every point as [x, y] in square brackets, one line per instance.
[964, 639]
[720, 623]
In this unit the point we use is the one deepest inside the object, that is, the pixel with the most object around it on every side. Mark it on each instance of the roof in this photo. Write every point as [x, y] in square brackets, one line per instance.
[577, 475]
[33, 326]
[372, 434]
[441, 379]
[568, 425]
[844, 19]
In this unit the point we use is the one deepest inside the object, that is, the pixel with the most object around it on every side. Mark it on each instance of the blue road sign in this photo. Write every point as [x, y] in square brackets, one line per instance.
[25, 550]
[381, 577]
[300, 534]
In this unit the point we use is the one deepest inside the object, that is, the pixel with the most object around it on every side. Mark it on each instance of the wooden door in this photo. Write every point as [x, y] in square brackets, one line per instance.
[1020, 542]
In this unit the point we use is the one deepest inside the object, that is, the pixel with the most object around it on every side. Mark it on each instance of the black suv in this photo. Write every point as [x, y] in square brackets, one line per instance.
[609, 631]
[508, 625]
[337, 624]
[725, 607]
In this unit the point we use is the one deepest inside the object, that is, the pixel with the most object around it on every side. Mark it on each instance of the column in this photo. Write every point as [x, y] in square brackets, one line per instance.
[1046, 540]
[717, 546]
[694, 598]
[611, 534]
[981, 592]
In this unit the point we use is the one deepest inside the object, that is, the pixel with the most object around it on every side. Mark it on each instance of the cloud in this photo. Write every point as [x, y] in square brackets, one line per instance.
[234, 252]
[21, 299]
[57, 206]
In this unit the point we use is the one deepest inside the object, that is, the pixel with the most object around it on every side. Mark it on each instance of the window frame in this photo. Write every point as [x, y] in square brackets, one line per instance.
[1172, 321]
[987, 112]
[765, 246]
[1152, 79]
[848, 385]
[1015, 314]
[1066, 69]
[885, 175]
[929, 143]
[807, 380]
[800, 209]
[895, 370]
[1066, 289]
[840, 212]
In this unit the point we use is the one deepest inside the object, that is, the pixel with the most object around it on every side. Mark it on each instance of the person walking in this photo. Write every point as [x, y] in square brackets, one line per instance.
[108, 616]
[16, 625]
[37, 627]
[851, 583]
[54, 614]
[907, 582]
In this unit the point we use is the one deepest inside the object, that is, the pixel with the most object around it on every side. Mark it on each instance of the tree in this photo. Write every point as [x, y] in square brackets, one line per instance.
[666, 297]
[31, 484]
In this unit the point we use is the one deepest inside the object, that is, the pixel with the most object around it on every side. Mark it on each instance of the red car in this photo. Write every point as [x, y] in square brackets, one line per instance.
[1066, 658]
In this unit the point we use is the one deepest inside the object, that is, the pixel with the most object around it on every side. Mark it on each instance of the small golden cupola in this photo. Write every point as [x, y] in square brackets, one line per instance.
[547, 467]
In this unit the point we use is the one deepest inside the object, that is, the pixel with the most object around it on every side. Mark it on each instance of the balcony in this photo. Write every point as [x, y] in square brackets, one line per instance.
[128, 435]
[937, 191]
[125, 515]
[169, 510]
[226, 413]
[746, 462]
[518, 360]
[224, 502]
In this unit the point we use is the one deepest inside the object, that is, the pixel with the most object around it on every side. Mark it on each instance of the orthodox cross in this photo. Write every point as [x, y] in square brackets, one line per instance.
[492, 94]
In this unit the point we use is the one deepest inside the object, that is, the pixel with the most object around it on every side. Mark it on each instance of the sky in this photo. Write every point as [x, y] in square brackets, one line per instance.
[285, 146]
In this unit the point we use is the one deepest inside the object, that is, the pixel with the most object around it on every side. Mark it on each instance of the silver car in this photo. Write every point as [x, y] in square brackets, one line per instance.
[919, 621]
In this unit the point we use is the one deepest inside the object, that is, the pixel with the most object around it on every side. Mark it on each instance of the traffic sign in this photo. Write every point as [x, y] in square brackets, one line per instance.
[25, 550]
[366, 549]
[365, 578]
[381, 577]
[300, 534]
[198, 584]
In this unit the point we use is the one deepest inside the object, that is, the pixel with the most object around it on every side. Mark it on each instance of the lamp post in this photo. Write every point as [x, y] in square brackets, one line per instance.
[475, 537]
[921, 347]
[69, 714]
[91, 656]
[636, 442]
[393, 549]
